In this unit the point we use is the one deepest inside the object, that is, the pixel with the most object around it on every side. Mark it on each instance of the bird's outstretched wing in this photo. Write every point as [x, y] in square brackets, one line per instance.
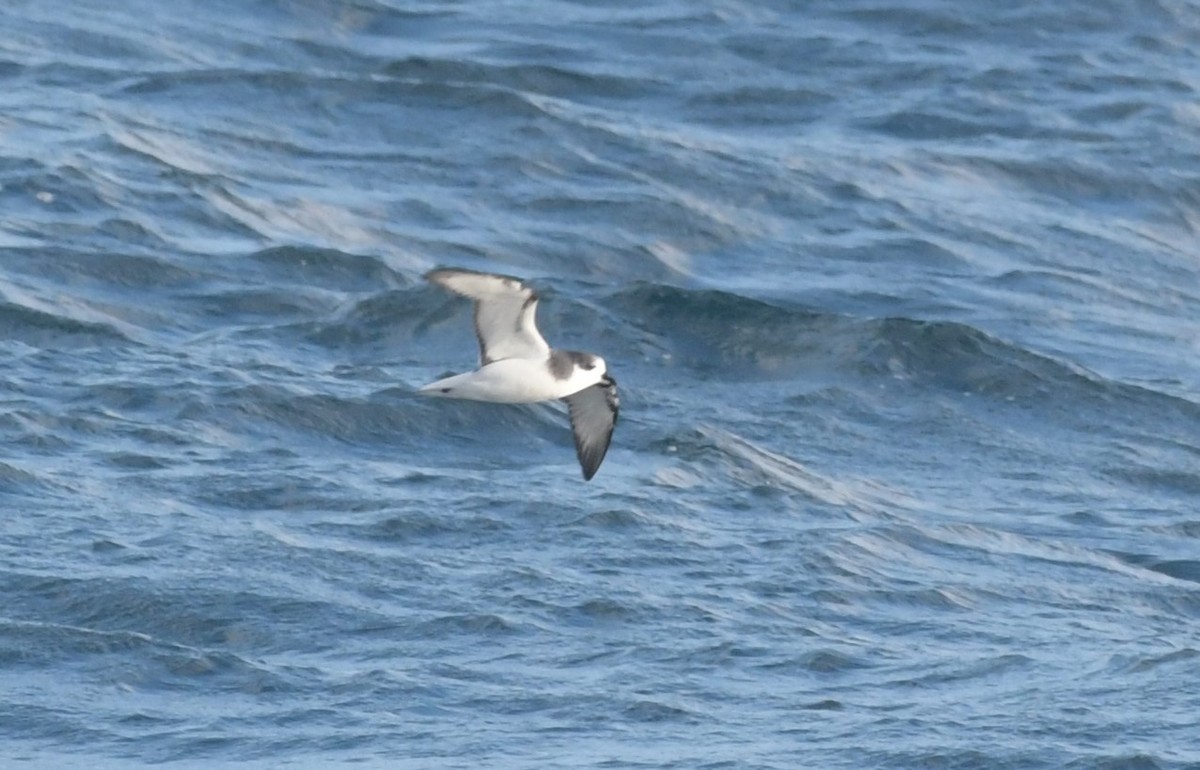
[504, 313]
[593, 416]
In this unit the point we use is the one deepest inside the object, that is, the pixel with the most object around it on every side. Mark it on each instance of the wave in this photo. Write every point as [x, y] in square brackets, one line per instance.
[712, 453]
[725, 336]
[546, 79]
[58, 327]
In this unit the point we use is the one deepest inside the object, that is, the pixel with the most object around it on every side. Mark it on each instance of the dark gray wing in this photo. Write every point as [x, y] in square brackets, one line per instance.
[505, 309]
[593, 415]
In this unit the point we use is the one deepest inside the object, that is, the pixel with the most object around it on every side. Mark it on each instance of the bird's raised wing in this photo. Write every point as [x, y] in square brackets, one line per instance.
[504, 313]
[593, 416]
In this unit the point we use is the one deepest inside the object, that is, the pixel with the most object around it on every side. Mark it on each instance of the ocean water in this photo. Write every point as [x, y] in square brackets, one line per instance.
[904, 303]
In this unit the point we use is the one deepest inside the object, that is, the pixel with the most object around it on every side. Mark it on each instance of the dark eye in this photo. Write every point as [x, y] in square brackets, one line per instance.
[589, 365]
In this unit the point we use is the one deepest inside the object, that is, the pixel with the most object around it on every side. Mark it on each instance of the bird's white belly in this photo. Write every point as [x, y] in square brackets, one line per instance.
[510, 381]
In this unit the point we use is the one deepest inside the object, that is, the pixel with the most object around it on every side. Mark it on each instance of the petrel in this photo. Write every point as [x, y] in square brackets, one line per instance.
[516, 366]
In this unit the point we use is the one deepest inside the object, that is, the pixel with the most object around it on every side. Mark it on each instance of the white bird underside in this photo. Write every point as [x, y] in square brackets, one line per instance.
[511, 381]
[518, 367]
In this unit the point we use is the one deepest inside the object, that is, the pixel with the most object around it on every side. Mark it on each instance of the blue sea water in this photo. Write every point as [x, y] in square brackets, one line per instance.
[904, 302]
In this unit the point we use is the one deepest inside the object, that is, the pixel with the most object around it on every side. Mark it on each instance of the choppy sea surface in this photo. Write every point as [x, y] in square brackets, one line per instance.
[904, 303]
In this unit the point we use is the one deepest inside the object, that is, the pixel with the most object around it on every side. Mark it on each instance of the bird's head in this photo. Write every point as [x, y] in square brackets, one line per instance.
[594, 366]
